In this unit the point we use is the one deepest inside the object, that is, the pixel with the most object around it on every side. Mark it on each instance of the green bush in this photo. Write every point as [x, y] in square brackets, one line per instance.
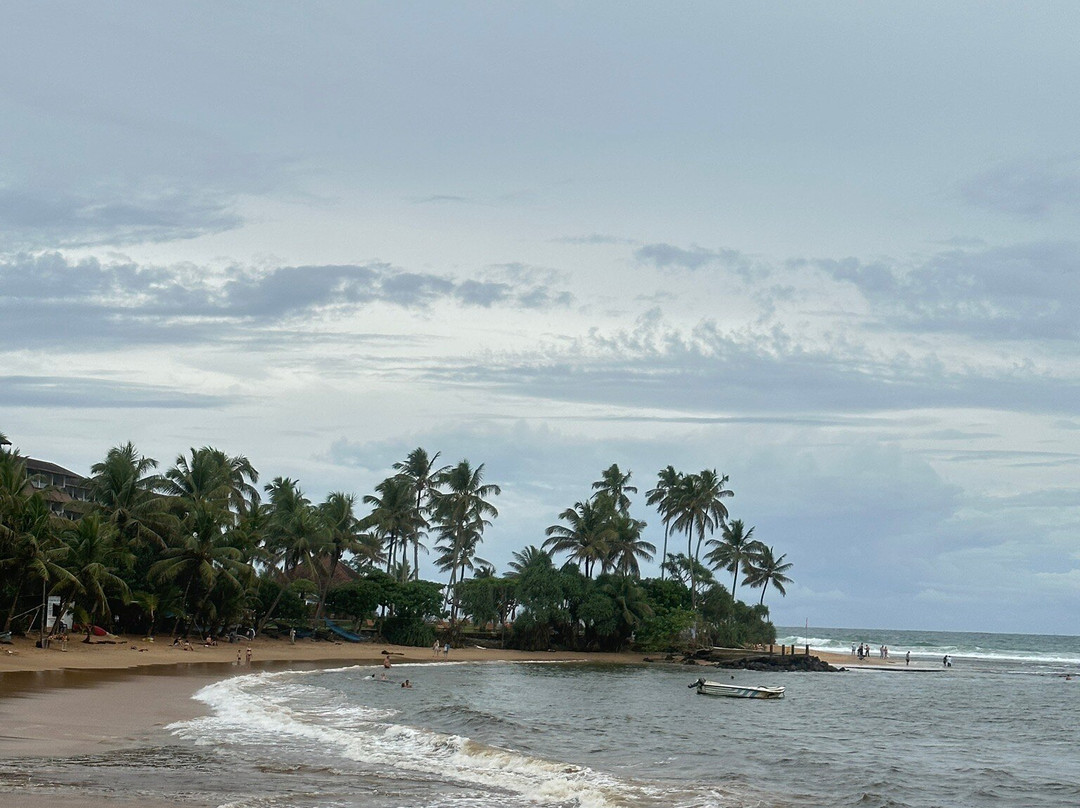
[408, 631]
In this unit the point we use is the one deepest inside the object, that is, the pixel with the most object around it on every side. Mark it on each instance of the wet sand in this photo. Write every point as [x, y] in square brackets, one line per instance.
[102, 697]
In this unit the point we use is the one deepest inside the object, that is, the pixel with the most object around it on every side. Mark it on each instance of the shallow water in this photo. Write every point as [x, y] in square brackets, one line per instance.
[500, 734]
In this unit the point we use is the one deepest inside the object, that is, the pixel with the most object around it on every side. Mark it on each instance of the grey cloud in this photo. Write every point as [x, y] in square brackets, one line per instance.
[47, 299]
[1022, 291]
[653, 367]
[956, 434]
[1016, 458]
[668, 256]
[478, 293]
[30, 219]
[1030, 189]
[287, 290]
[88, 392]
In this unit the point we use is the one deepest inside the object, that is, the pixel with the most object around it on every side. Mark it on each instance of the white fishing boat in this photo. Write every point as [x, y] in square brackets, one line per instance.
[708, 688]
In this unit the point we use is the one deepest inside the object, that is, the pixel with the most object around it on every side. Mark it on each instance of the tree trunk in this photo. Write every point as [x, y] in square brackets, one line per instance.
[693, 567]
[663, 558]
[266, 617]
[326, 587]
[11, 612]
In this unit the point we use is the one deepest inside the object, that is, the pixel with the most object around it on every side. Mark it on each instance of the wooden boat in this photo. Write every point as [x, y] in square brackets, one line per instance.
[707, 688]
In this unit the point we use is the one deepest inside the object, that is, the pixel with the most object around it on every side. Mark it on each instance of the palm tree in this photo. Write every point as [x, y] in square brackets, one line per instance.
[213, 492]
[124, 490]
[685, 570]
[664, 498]
[626, 546]
[767, 569]
[420, 471]
[296, 534]
[204, 560]
[343, 537]
[615, 485]
[461, 512]
[734, 551]
[530, 557]
[211, 477]
[700, 509]
[631, 603]
[29, 546]
[585, 536]
[368, 552]
[91, 555]
[393, 516]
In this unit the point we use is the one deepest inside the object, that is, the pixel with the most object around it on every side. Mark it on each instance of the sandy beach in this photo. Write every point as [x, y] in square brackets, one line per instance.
[106, 696]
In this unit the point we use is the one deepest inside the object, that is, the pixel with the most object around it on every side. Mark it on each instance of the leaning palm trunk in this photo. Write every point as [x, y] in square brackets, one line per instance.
[663, 557]
[266, 617]
[693, 567]
[325, 588]
[59, 615]
[183, 607]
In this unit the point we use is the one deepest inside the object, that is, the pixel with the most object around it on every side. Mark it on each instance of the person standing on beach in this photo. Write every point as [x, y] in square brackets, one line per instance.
[238, 657]
[249, 656]
[907, 658]
[446, 650]
[435, 649]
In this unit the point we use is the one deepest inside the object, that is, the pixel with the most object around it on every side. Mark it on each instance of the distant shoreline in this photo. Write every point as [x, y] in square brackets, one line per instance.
[126, 653]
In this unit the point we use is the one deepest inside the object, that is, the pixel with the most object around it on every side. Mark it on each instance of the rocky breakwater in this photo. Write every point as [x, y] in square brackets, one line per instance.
[738, 658]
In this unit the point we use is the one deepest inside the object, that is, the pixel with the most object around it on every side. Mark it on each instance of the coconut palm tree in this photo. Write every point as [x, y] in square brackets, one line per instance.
[530, 557]
[393, 516]
[615, 485]
[461, 513]
[631, 604]
[124, 489]
[700, 510]
[420, 471]
[626, 546]
[766, 569]
[586, 535]
[734, 551]
[91, 554]
[663, 496]
[203, 561]
[211, 477]
[296, 535]
[29, 547]
[685, 570]
[343, 536]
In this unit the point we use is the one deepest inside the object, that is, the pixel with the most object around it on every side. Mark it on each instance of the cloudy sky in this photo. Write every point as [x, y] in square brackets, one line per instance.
[827, 249]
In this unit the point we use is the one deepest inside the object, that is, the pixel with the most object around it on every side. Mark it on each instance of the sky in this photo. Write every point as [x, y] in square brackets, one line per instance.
[827, 249]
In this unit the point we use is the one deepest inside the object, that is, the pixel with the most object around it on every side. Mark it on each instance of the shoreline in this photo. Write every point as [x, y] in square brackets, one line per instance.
[105, 697]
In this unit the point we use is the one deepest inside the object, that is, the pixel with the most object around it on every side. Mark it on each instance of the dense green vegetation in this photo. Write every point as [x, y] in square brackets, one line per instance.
[203, 548]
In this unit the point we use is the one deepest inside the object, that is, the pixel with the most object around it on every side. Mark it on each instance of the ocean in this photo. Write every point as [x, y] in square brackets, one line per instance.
[998, 728]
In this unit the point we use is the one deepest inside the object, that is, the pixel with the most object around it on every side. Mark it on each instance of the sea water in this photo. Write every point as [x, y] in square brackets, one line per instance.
[993, 730]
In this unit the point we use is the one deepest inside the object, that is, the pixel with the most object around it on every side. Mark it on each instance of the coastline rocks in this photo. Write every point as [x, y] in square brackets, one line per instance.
[739, 658]
[799, 662]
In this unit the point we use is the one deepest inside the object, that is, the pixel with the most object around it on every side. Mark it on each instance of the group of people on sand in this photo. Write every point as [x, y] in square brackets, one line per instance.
[436, 648]
[863, 651]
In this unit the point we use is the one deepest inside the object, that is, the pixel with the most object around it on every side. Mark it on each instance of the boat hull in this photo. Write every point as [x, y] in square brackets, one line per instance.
[738, 691]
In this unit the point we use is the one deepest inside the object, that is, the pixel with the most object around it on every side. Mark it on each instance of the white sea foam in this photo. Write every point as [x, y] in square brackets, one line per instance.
[265, 708]
[934, 645]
